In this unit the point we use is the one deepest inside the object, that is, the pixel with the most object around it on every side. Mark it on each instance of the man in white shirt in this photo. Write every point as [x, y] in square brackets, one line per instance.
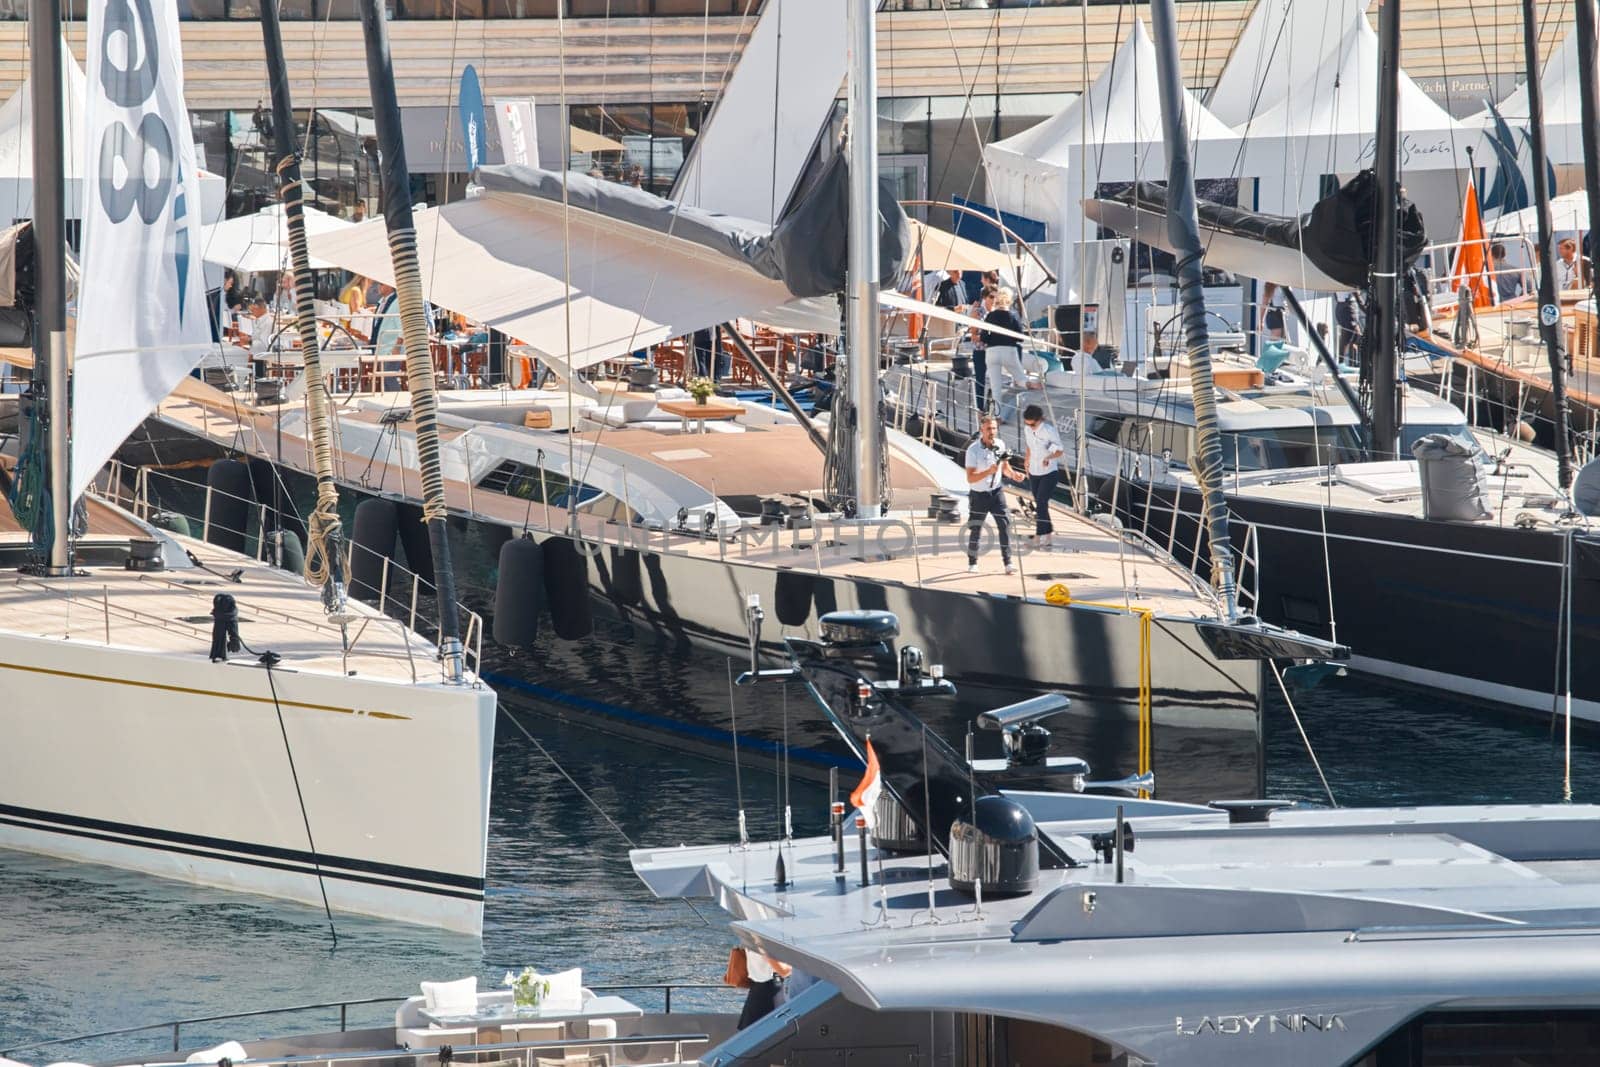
[263, 326]
[1042, 452]
[987, 464]
[1569, 269]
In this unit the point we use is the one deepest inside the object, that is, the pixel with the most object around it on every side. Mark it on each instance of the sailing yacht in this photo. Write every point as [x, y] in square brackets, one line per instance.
[675, 524]
[174, 707]
[1469, 570]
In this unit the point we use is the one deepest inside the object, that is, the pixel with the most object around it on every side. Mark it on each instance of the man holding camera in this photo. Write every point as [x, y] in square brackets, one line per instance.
[988, 461]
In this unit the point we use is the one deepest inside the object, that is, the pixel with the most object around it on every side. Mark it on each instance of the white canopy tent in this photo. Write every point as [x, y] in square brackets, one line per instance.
[16, 151]
[1563, 118]
[260, 242]
[1111, 133]
[1326, 124]
[1568, 213]
[502, 259]
[1281, 42]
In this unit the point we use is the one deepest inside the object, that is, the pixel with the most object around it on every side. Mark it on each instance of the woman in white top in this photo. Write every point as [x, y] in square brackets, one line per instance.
[1043, 451]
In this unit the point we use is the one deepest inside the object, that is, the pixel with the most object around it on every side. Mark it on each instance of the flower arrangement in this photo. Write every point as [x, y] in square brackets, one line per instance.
[701, 389]
[527, 988]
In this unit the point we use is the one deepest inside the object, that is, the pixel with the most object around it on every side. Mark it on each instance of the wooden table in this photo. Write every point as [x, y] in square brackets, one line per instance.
[700, 414]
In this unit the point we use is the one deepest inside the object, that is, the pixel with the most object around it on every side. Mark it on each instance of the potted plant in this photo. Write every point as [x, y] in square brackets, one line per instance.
[701, 389]
[528, 989]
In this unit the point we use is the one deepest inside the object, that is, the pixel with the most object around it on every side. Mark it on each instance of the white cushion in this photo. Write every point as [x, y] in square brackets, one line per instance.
[566, 991]
[451, 998]
[228, 1050]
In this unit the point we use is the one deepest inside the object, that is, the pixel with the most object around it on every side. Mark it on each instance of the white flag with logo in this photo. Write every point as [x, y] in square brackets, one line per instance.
[518, 137]
[142, 322]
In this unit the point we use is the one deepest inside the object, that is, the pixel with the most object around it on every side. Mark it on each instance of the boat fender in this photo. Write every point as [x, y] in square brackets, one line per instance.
[519, 592]
[231, 495]
[292, 555]
[792, 598]
[414, 539]
[566, 589]
[371, 542]
[627, 577]
[263, 482]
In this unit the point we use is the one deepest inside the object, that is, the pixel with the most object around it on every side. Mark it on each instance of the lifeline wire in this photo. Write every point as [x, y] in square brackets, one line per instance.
[534, 741]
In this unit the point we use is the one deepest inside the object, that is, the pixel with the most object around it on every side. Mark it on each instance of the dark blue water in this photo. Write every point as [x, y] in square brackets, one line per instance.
[83, 949]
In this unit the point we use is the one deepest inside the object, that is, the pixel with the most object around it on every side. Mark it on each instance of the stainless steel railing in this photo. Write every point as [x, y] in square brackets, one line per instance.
[175, 1027]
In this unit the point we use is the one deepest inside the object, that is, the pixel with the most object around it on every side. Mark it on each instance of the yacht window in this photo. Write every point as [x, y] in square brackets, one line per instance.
[1446, 1039]
[527, 482]
[1288, 447]
[1105, 427]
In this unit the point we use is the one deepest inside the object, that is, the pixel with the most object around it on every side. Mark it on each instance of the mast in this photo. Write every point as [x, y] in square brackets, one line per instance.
[414, 325]
[1183, 229]
[1589, 111]
[324, 553]
[1549, 303]
[1382, 368]
[50, 278]
[861, 287]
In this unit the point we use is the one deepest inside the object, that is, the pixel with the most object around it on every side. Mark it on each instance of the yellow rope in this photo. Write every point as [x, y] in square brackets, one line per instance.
[1059, 595]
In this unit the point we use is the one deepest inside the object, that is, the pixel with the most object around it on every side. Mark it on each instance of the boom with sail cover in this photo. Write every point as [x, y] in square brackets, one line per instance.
[143, 319]
[1328, 249]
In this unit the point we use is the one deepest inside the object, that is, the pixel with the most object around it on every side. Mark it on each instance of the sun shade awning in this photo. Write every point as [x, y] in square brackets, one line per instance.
[943, 250]
[502, 258]
[901, 302]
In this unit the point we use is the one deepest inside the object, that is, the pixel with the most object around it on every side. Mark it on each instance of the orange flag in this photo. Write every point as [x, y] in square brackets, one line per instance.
[865, 796]
[1471, 262]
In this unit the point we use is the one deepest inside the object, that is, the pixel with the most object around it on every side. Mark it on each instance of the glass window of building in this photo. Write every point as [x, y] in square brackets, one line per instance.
[637, 144]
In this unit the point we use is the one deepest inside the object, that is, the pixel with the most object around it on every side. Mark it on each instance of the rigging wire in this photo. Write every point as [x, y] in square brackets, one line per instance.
[1298, 725]
[305, 818]
[589, 799]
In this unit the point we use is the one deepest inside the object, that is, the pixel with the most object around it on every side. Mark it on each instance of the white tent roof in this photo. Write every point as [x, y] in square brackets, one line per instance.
[260, 242]
[16, 137]
[1280, 43]
[1337, 106]
[16, 149]
[501, 258]
[1563, 117]
[1569, 211]
[1560, 84]
[1122, 107]
[1116, 128]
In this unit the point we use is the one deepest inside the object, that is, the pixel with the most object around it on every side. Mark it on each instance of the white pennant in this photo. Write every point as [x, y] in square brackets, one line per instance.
[142, 320]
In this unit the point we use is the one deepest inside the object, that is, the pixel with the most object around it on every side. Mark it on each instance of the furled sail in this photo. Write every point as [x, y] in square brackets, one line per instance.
[1329, 248]
[615, 269]
[142, 320]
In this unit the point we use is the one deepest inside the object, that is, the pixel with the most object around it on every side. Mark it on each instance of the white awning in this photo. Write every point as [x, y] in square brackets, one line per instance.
[943, 250]
[501, 259]
[901, 302]
[260, 242]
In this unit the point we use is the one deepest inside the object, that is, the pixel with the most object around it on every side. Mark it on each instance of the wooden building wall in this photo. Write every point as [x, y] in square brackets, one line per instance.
[922, 53]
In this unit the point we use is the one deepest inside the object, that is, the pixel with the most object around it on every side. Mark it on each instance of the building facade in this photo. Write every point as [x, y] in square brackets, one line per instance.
[643, 74]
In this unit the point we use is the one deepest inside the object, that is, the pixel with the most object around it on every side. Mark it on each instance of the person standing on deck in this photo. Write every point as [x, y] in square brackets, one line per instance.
[1002, 353]
[988, 463]
[1042, 452]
